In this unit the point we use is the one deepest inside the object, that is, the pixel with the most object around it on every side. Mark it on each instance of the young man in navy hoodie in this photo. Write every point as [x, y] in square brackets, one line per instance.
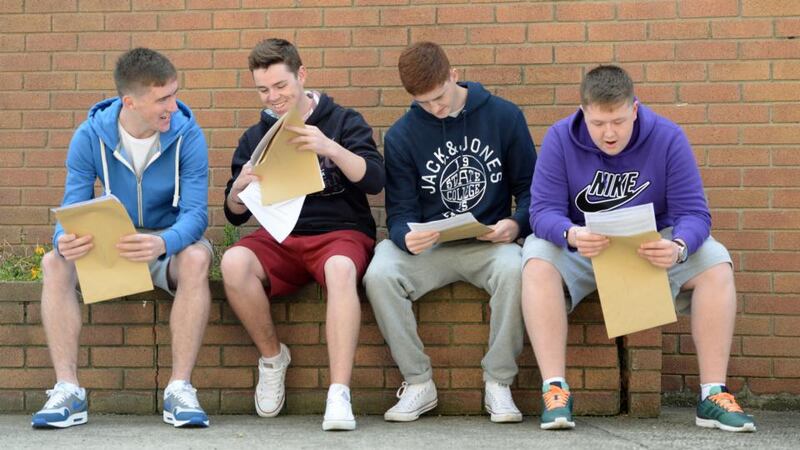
[612, 153]
[331, 243]
[146, 149]
[458, 149]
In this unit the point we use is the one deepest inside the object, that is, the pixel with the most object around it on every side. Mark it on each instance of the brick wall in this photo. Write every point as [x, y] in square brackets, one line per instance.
[726, 70]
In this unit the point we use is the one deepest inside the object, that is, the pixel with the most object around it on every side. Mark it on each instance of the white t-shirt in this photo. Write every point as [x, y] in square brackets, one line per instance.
[137, 149]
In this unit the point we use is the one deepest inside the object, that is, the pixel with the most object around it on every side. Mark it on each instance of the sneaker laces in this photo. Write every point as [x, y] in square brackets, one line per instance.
[555, 397]
[187, 396]
[407, 397]
[270, 381]
[726, 401]
[56, 396]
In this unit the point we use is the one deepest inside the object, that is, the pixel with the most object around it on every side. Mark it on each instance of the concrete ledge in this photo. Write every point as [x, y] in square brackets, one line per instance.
[125, 356]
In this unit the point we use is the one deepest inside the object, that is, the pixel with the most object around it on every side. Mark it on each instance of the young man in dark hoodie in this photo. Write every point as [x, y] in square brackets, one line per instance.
[458, 149]
[614, 152]
[331, 243]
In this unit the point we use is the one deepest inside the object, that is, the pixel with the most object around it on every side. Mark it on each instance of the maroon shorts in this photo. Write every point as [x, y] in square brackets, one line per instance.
[291, 264]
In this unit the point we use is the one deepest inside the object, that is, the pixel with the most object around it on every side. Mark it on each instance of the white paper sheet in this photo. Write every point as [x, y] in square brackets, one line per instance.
[443, 224]
[279, 218]
[622, 222]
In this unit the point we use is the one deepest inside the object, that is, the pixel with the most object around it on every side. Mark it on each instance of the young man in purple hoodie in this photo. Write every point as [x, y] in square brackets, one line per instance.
[612, 153]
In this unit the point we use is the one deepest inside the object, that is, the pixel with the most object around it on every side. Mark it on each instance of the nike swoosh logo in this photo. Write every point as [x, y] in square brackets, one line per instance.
[584, 204]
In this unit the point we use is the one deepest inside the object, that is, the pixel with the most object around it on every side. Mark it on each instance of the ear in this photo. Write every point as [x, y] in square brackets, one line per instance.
[635, 109]
[453, 75]
[127, 101]
[301, 75]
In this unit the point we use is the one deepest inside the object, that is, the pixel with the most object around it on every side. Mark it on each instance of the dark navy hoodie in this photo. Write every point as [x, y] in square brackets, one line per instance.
[342, 205]
[475, 162]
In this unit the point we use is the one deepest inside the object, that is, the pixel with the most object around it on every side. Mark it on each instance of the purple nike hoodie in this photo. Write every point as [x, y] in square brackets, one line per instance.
[573, 176]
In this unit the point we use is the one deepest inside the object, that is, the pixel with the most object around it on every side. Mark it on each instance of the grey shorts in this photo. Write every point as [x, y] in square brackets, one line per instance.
[578, 274]
[159, 268]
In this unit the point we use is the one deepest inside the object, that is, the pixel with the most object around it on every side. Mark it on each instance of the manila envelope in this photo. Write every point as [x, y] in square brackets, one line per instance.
[634, 294]
[285, 172]
[466, 231]
[102, 273]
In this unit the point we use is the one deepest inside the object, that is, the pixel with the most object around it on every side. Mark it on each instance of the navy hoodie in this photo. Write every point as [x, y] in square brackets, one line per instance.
[475, 162]
[342, 205]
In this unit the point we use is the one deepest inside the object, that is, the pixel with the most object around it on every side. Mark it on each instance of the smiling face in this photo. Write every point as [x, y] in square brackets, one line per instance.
[280, 89]
[444, 99]
[149, 110]
[610, 127]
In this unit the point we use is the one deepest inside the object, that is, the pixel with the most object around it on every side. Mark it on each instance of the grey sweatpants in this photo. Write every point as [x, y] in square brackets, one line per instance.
[396, 278]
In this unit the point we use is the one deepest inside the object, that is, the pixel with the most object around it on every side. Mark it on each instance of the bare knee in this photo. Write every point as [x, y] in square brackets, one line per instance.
[339, 269]
[237, 265]
[539, 271]
[56, 269]
[193, 263]
[718, 278]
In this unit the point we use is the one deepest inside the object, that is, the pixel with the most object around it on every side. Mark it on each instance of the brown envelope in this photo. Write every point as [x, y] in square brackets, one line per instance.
[634, 294]
[285, 172]
[466, 231]
[102, 273]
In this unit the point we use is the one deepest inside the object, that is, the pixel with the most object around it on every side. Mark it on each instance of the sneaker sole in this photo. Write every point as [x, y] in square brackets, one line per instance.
[711, 423]
[338, 425]
[274, 413]
[411, 416]
[561, 423]
[193, 422]
[505, 417]
[75, 419]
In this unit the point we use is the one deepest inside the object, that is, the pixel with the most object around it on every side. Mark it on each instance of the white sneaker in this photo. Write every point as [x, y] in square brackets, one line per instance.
[338, 411]
[499, 403]
[415, 399]
[271, 390]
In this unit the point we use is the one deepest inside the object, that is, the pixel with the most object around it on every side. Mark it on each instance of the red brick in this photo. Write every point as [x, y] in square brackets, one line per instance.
[348, 17]
[247, 19]
[676, 72]
[770, 346]
[617, 32]
[25, 62]
[602, 379]
[131, 22]
[122, 312]
[787, 326]
[495, 75]
[12, 43]
[679, 30]
[770, 8]
[51, 42]
[505, 34]
[709, 93]
[212, 39]
[788, 368]
[783, 49]
[655, 9]
[772, 304]
[472, 14]
[771, 92]
[441, 35]
[743, 198]
[708, 8]
[161, 5]
[229, 4]
[556, 32]
[650, 51]
[381, 37]
[741, 29]
[291, 19]
[785, 156]
[702, 134]
[78, 22]
[411, 16]
[686, 51]
[786, 241]
[25, 23]
[682, 113]
[581, 12]
[183, 21]
[212, 377]
[741, 114]
[525, 12]
[605, 356]
[584, 54]
[351, 58]
[787, 28]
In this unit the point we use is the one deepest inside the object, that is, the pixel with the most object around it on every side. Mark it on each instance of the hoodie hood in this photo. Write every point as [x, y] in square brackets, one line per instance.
[103, 118]
[642, 128]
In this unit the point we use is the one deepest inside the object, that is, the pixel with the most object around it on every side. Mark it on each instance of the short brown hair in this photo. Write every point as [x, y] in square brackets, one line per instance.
[606, 86]
[423, 67]
[141, 68]
[274, 51]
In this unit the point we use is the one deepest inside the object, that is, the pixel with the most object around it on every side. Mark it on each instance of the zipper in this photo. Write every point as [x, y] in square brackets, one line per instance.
[139, 200]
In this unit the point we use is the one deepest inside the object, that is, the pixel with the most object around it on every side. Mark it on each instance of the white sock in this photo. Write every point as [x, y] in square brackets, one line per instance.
[274, 359]
[335, 388]
[705, 389]
[74, 388]
[175, 384]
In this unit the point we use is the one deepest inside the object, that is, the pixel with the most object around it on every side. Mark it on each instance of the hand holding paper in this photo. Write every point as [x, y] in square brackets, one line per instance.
[72, 247]
[419, 241]
[503, 232]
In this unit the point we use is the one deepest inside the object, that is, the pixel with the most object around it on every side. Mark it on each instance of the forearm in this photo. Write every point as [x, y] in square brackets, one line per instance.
[354, 167]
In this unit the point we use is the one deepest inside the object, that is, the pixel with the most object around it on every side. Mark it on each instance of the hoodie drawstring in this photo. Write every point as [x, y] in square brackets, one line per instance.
[177, 196]
[106, 183]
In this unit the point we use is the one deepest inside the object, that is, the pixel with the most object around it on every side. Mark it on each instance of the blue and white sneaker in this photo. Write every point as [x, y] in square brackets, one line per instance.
[66, 406]
[181, 408]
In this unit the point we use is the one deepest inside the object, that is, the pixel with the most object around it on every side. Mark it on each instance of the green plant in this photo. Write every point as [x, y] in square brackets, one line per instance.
[21, 263]
[230, 235]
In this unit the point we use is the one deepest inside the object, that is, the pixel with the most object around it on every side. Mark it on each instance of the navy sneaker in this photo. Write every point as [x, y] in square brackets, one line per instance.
[181, 408]
[65, 407]
[557, 407]
[720, 410]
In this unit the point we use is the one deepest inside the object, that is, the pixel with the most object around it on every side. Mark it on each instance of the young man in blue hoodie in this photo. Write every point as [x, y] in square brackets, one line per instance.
[458, 149]
[146, 149]
[614, 152]
[331, 243]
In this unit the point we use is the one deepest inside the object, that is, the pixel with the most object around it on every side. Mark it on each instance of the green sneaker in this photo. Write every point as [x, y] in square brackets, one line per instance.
[720, 410]
[557, 409]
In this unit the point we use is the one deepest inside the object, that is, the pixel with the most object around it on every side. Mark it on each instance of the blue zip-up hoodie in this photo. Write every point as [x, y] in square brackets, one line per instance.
[167, 197]
[437, 168]
[657, 166]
